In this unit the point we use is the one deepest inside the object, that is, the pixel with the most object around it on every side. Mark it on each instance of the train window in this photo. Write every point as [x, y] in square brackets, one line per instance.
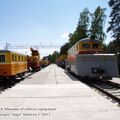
[85, 45]
[12, 57]
[95, 45]
[78, 47]
[25, 58]
[22, 58]
[18, 58]
[2, 58]
[15, 58]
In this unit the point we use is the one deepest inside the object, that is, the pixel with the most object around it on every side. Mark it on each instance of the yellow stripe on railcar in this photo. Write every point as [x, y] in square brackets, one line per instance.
[86, 46]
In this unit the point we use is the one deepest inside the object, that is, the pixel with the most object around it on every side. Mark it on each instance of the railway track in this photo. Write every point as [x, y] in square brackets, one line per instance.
[108, 88]
[9, 83]
[111, 89]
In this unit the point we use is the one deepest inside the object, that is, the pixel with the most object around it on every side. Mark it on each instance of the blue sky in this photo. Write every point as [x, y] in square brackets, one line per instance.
[43, 21]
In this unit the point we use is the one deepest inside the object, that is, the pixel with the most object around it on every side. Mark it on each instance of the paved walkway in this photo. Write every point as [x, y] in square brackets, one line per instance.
[115, 80]
[52, 94]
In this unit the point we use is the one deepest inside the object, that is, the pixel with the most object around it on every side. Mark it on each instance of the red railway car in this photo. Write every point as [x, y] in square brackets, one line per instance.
[34, 63]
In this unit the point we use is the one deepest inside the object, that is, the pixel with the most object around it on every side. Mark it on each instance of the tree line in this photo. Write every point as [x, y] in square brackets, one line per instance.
[93, 24]
[88, 24]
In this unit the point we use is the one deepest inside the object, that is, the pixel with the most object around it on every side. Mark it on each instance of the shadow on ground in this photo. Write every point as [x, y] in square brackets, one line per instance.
[72, 76]
[6, 84]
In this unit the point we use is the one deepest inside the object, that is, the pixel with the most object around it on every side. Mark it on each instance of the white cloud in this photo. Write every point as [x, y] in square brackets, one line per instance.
[65, 36]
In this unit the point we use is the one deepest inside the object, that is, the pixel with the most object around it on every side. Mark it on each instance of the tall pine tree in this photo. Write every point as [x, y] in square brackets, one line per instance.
[97, 23]
[83, 22]
[115, 20]
[82, 27]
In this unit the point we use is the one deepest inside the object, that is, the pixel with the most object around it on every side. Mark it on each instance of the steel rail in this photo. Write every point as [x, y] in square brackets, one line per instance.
[111, 86]
[106, 92]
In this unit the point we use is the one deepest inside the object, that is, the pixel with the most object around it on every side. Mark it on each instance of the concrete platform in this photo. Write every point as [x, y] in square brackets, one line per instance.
[115, 80]
[53, 94]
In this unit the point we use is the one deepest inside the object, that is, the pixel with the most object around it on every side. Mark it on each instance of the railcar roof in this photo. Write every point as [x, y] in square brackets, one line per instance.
[99, 54]
[89, 40]
[86, 40]
[4, 51]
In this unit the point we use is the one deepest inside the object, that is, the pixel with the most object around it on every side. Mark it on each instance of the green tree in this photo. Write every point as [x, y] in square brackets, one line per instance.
[64, 48]
[112, 47]
[114, 28]
[54, 56]
[82, 27]
[83, 23]
[97, 23]
[114, 24]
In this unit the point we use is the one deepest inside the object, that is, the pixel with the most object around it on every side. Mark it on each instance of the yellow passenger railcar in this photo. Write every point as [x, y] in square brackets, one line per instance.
[12, 64]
